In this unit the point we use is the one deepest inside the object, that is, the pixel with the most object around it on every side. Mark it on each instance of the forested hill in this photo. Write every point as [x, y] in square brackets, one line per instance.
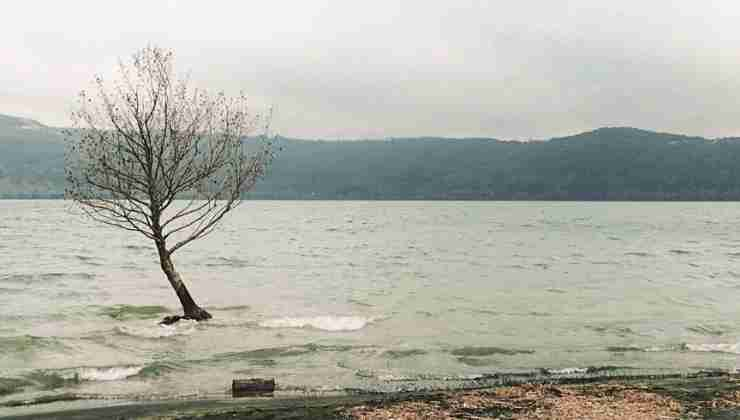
[605, 164]
[31, 158]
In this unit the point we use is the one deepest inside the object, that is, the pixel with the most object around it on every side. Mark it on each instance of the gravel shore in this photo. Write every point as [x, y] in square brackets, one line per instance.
[711, 396]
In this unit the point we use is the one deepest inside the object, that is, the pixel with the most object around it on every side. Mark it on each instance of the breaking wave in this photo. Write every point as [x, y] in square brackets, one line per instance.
[183, 327]
[112, 373]
[713, 348]
[731, 348]
[325, 323]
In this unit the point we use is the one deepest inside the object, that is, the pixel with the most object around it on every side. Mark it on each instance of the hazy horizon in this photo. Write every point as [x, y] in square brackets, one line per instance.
[348, 70]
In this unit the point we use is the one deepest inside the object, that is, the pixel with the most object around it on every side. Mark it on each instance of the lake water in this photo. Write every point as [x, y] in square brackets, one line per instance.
[371, 295]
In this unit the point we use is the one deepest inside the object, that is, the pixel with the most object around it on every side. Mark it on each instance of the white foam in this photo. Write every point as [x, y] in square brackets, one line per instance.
[714, 348]
[182, 327]
[567, 371]
[113, 373]
[325, 323]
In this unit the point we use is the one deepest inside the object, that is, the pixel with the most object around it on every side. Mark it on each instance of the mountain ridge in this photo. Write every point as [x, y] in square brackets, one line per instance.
[609, 163]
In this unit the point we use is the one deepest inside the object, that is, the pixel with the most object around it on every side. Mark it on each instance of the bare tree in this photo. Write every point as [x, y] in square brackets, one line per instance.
[151, 154]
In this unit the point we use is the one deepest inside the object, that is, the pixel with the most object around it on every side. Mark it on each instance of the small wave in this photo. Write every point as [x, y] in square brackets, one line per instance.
[485, 312]
[359, 303]
[324, 323]
[232, 308]
[680, 252]
[709, 330]
[27, 343]
[44, 277]
[124, 312]
[565, 371]
[16, 278]
[400, 354]
[50, 380]
[263, 354]
[605, 262]
[515, 266]
[112, 373]
[556, 290]
[487, 351]
[156, 369]
[88, 260]
[611, 330]
[582, 370]
[137, 247]
[59, 378]
[627, 349]
[228, 262]
[12, 385]
[713, 348]
[183, 327]
[270, 353]
[638, 254]
[8, 291]
[476, 361]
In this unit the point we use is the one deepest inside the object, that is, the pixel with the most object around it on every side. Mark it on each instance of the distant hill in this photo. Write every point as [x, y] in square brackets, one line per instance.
[31, 158]
[605, 164]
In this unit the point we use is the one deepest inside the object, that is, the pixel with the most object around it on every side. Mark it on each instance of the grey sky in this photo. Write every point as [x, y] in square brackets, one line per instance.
[354, 69]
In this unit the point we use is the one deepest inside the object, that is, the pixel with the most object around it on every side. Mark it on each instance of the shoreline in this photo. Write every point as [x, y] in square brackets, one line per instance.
[704, 395]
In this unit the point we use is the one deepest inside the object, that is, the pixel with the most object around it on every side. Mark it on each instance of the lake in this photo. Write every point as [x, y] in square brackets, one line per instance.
[329, 296]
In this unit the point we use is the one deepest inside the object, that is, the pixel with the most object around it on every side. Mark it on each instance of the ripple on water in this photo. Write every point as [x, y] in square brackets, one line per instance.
[325, 323]
[271, 353]
[487, 351]
[731, 348]
[158, 331]
[651, 349]
[87, 260]
[611, 330]
[477, 361]
[235, 308]
[24, 345]
[709, 330]
[402, 354]
[127, 312]
[33, 278]
[50, 379]
[639, 254]
[228, 262]
[12, 385]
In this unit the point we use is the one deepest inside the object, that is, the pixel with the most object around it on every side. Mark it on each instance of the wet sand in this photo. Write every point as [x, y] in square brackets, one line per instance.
[710, 395]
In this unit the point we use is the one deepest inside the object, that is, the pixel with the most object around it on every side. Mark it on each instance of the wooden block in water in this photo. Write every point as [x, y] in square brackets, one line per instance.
[252, 387]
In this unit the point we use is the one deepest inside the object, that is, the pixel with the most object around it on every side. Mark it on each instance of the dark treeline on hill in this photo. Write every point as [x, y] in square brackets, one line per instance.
[605, 164]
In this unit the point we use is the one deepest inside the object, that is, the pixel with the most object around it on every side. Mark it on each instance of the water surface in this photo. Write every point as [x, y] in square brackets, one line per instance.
[369, 295]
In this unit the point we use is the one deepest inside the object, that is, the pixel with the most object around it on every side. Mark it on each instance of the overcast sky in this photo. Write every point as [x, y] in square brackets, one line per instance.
[511, 69]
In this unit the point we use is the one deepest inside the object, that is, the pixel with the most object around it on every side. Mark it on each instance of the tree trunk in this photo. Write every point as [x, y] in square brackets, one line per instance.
[190, 308]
